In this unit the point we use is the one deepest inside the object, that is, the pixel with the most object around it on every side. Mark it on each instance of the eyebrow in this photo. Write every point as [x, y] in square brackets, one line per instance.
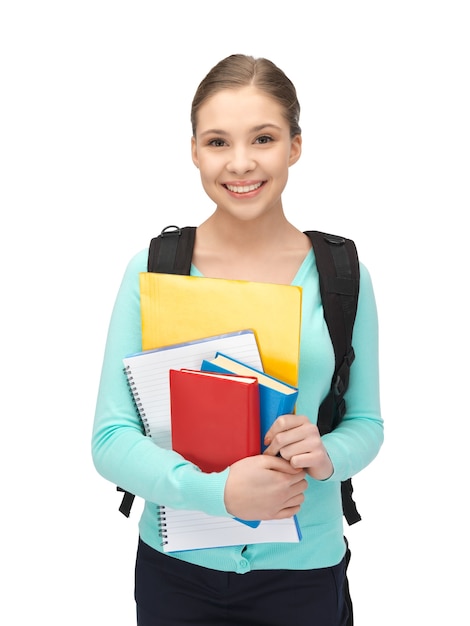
[255, 129]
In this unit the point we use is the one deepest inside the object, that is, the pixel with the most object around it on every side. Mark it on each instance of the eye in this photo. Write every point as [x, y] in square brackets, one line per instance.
[263, 139]
[217, 143]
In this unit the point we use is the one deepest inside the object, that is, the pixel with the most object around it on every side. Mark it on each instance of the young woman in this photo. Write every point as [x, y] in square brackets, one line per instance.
[246, 136]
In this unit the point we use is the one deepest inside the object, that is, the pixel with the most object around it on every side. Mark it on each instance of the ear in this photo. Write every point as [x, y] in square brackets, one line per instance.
[194, 152]
[295, 149]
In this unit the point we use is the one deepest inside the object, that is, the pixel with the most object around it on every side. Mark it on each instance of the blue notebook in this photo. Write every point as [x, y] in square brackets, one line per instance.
[276, 397]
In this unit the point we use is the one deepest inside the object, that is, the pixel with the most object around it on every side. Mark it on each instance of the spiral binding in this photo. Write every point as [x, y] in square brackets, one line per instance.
[162, 525]
[136, 399]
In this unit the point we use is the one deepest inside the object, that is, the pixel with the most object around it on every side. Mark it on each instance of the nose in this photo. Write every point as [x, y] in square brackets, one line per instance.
[241, 160]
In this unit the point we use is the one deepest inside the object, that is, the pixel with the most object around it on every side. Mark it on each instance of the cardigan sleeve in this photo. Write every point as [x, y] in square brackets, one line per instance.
[121, 452]
[358, 439]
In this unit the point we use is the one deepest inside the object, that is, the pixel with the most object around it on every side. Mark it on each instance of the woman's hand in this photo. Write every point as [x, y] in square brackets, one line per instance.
[264, 487]
[298, 441]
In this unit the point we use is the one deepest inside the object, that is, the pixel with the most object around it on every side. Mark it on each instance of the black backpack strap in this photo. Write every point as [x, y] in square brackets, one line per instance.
[338, 268]
[127, 502]
[169, 253]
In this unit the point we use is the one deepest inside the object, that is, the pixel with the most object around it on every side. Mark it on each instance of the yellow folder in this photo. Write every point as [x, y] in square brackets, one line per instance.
[177, 308]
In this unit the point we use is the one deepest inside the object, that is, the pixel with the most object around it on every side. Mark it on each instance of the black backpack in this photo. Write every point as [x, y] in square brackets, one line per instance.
[338, 267]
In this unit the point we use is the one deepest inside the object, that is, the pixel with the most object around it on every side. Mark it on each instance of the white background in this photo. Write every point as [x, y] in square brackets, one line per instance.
[94, 148]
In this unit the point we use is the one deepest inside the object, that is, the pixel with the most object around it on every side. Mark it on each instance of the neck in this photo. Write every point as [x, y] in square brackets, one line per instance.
[227, 233]
[262, 250]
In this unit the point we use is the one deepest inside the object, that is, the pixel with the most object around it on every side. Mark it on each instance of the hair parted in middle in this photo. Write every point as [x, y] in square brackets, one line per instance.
[240, 70]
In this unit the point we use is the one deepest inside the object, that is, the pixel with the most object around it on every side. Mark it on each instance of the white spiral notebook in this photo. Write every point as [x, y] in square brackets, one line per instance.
[148, 376]
[192, 530]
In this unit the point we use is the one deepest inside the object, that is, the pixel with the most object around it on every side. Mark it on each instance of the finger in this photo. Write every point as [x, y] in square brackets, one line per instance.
[289, 432]
[291, 507]
[278, 464]
[300, 461]
[285, 450]
[282, 423]
[286, 513]
[272, 449]
[294, 441]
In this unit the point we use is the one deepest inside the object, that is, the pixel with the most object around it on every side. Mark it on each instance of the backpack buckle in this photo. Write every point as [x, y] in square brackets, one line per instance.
[338, 386]
[349, 358]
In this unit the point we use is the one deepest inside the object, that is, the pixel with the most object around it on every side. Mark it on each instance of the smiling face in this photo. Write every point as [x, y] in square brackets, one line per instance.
[243, 149]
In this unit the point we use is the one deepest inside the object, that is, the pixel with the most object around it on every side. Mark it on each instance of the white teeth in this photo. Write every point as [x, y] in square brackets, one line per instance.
[243, 189]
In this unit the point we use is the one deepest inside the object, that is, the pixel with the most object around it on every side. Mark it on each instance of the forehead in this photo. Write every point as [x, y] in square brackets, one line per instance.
[248, 106]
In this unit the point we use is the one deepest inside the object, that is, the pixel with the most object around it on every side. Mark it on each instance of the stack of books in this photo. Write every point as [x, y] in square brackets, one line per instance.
[212, 396]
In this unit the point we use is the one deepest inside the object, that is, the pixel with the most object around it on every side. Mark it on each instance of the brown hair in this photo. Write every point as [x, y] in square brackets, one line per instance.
[239, 70]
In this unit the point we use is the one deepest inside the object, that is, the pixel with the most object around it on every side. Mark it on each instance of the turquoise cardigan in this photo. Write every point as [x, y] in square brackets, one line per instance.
[124, 456]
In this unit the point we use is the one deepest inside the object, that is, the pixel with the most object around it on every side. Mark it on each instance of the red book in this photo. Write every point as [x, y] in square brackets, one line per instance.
[215, 418]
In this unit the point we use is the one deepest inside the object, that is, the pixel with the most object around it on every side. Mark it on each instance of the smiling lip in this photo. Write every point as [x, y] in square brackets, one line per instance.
[246, 188]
